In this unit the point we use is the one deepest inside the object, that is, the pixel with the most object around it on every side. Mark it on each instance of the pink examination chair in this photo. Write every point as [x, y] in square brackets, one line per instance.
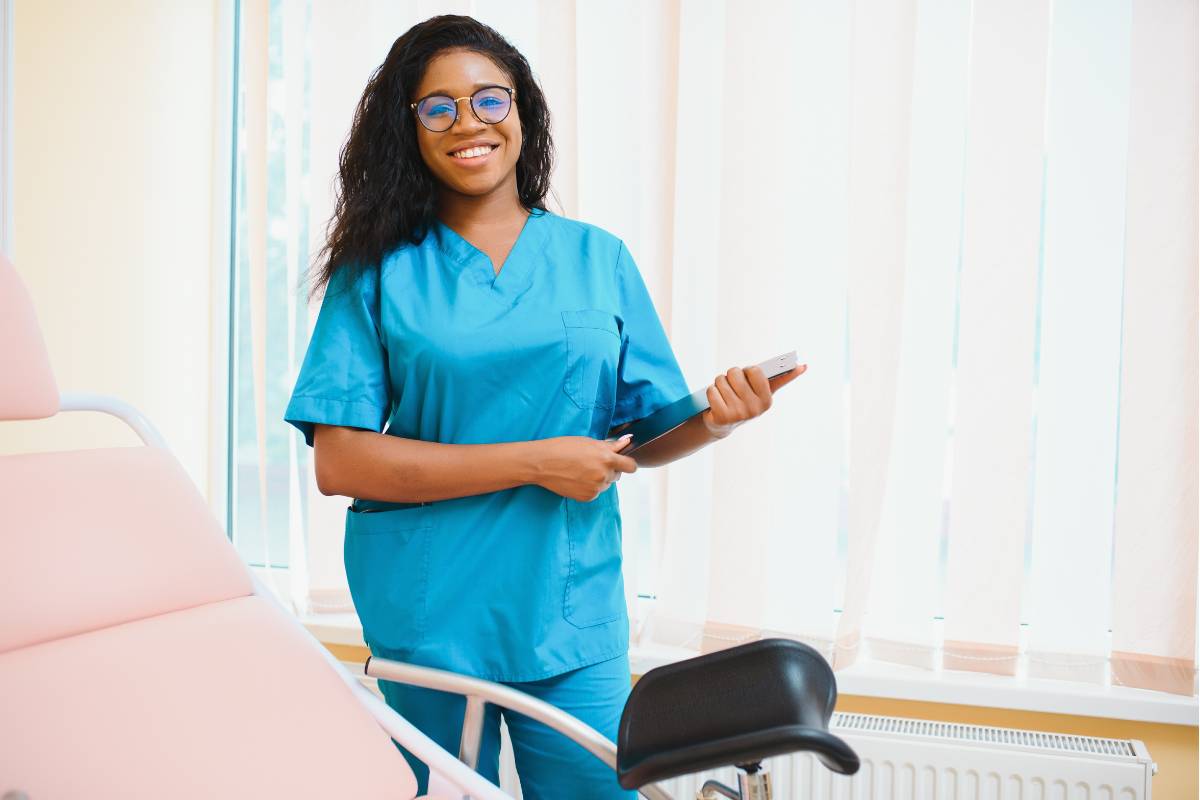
[140, 658]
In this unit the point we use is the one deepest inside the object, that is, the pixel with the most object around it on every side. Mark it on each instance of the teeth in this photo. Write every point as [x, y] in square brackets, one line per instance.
[472, 152]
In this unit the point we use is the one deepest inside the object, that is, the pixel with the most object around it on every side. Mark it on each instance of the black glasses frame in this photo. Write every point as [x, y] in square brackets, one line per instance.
[512, 95]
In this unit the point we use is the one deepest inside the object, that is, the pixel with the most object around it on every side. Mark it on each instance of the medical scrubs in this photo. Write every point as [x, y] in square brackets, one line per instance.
[520, 584]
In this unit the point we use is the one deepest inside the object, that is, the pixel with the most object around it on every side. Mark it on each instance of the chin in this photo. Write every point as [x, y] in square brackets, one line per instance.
[481, 185]
[475, 189]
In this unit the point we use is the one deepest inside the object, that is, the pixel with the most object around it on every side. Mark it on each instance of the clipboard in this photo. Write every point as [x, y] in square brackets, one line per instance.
[668, 418]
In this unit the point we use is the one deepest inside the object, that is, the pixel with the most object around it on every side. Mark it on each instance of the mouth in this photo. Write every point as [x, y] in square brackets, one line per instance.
[471, 156]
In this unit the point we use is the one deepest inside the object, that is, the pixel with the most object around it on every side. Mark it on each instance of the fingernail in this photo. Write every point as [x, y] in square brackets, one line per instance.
[626, 436]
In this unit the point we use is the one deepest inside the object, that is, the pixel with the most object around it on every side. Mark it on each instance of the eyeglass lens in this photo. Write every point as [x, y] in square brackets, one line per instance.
[491, 105]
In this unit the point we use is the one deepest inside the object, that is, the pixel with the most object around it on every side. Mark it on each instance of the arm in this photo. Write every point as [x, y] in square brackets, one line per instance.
[359, 463]
[355, 462]
[735, 397]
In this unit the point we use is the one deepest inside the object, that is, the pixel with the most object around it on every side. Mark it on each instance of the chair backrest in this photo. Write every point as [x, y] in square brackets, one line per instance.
[135, 658]
[27, 388]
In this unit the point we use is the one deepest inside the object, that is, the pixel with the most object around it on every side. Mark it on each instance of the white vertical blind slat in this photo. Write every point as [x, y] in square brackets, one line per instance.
[1079, 372]
[608, 154]
[682, 554]
[906, 578]
[1154, 576]
[555, 72]
[881, 105]
[814, 223]
[255, 32]
[994, 372]
[294, 18]
[751, 512]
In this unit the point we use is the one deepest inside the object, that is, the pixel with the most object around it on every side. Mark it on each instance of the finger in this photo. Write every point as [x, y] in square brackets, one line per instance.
[719, 411]
[619, 444]
[733, 403]
[759, 383]
[739, 380]
[787, 377]
[626, 464]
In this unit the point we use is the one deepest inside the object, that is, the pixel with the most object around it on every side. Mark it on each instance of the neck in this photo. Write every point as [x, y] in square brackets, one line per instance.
[500, 208]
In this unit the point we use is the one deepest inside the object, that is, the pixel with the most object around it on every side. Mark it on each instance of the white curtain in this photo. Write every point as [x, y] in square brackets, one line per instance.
[975, 221]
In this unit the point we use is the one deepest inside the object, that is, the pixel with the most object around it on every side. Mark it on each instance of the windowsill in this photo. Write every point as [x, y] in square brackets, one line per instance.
[900, 682]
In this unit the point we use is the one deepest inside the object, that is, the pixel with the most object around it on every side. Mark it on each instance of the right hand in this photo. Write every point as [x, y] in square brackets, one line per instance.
[580, 467]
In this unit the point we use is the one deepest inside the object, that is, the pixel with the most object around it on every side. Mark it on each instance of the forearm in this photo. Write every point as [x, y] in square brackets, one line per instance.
[377, 466]
[683, 441]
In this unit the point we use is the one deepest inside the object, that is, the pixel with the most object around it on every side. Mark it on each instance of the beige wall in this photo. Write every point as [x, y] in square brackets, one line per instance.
[113, 180]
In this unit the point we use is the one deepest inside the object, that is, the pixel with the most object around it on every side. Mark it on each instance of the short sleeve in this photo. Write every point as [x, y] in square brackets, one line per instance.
[344, 377]
[648, 376]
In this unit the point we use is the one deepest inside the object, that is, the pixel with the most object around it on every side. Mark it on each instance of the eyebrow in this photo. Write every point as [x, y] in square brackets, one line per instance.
[478, 85]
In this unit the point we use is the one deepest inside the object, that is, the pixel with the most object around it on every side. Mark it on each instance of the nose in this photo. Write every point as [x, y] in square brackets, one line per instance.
[466, 119]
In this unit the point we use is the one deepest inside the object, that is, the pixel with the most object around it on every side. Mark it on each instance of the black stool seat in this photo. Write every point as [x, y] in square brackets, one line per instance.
[734, 706]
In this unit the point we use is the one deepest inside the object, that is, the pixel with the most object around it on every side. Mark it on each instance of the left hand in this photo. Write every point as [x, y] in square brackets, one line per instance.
[740, 395]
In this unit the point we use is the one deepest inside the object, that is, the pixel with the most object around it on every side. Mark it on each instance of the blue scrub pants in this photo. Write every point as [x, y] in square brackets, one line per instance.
[550, 765]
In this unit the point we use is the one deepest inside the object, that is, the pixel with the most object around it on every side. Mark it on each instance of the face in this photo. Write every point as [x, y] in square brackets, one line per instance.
[459, 73]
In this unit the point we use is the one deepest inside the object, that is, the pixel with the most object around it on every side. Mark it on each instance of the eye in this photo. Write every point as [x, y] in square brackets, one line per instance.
[436, 106]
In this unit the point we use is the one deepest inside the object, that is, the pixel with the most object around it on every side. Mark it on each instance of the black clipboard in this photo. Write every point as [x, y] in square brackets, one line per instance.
[668, 418]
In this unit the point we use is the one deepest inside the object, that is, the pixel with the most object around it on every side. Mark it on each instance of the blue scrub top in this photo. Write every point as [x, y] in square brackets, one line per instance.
[519, 584]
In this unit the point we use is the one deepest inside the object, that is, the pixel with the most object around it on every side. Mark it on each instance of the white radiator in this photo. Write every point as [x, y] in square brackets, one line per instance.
[913, 759]
[909, 758]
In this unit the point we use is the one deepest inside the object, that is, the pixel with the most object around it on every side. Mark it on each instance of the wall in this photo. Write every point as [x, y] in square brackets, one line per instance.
[113, 148]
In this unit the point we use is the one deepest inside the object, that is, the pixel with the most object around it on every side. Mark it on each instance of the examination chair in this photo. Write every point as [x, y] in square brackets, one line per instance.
[139, 657]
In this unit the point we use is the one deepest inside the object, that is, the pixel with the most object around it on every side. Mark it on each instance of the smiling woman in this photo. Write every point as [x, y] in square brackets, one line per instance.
[475, 585]
[472, 353]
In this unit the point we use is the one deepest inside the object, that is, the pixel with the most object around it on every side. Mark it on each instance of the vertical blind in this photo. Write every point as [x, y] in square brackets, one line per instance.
[975, 221]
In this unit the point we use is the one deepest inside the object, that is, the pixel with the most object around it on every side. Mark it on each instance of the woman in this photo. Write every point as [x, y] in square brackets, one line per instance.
[501, 344]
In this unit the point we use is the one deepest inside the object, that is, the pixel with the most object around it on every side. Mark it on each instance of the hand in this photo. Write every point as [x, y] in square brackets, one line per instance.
[740, 395]
[581, 467]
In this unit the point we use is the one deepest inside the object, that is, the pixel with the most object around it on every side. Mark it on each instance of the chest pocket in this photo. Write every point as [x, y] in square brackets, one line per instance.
[593, 349]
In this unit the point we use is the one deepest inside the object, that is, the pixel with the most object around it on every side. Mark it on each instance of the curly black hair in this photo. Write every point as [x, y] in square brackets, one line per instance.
[385, 193]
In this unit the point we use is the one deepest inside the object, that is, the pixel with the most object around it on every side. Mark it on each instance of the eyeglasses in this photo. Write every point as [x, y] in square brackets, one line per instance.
[490, 105]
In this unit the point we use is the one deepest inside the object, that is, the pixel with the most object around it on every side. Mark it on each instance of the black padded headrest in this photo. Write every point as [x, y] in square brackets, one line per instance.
[734, 706]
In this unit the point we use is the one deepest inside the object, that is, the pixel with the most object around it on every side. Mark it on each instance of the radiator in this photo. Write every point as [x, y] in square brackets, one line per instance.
[916, 759]
[919, 760]
[909, 758]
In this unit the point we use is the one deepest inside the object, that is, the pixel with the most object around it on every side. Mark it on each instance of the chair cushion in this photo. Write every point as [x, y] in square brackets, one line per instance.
[92, 538]
[228, 699]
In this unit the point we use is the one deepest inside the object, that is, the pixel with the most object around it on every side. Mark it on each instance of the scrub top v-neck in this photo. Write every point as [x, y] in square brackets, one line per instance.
[433, 344]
